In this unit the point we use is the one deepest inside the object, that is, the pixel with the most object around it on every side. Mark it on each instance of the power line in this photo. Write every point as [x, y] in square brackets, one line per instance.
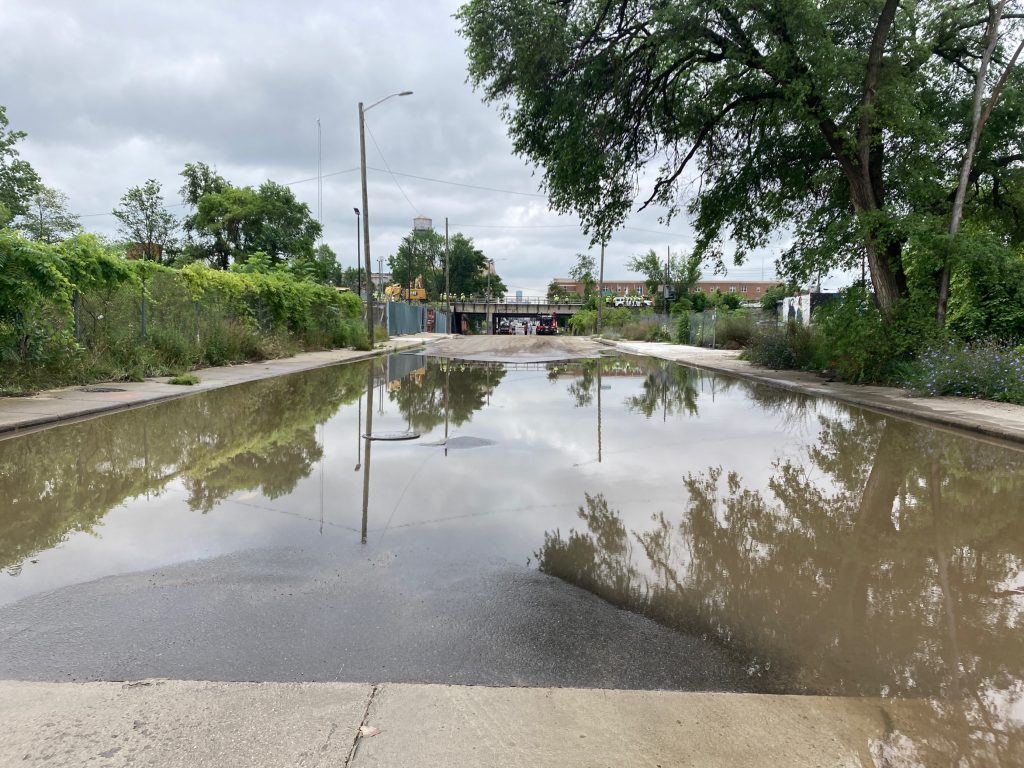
[461, 184]
[415, 211]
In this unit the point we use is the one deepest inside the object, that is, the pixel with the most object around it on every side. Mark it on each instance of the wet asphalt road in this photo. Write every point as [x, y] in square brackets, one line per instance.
[345, 613]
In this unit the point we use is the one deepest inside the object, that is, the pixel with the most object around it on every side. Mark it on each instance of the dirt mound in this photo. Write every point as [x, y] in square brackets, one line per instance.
[516, 349]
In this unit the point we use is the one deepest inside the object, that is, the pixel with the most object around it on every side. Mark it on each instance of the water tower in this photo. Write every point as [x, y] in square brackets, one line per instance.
[422, 223]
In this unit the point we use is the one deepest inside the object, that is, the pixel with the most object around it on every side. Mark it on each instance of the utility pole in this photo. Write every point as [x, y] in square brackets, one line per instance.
[668, 274]
[448, 299]
[366, 235]
[359, 267]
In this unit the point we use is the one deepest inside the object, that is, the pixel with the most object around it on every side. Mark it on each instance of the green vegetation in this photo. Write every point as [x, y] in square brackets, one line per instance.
[421, 254]
[184, 379]
[77, 312]
[75, 308]
[883, 136]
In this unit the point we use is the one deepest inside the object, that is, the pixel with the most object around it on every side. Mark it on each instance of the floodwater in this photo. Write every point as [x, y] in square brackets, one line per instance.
[829, 549]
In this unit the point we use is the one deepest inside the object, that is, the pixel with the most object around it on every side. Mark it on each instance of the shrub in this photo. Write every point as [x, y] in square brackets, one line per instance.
[985, 369]
[792, 347]
[733, 329]
[770, 347]
[648, 329]
[184, 379]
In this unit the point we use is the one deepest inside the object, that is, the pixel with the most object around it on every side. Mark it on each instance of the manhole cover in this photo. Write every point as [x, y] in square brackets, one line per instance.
[393, 435]
[101, 389]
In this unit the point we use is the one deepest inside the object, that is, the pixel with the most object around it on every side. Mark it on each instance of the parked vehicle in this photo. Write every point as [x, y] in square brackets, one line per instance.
[547, 326]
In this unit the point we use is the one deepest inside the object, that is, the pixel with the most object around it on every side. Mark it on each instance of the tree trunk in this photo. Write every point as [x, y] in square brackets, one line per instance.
[989, 41]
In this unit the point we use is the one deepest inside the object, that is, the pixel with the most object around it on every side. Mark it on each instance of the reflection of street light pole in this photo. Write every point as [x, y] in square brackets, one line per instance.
[359, 435]
[366, 450]
[359, 267]
[366, 208]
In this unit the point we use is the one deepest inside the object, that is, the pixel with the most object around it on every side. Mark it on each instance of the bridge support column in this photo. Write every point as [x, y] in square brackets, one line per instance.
[490, 320]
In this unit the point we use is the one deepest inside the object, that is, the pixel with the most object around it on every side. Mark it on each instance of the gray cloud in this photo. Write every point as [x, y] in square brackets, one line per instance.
[113, 93]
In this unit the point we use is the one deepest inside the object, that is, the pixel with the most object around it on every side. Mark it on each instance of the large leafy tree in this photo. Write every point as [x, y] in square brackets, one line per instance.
[146, 222]
[675, 270]
[18, 179]
[48, 218]
[583, 273]
[470, 270]
[845, 123]
[229, 224]
[419, 255]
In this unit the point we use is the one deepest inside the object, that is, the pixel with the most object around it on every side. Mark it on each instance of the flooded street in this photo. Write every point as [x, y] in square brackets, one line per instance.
[759, 541]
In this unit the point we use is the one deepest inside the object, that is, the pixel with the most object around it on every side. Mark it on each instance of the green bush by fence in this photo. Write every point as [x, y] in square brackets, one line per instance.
[77, 312]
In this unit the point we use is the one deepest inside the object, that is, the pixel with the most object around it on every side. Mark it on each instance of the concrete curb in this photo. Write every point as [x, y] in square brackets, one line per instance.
[989, 419]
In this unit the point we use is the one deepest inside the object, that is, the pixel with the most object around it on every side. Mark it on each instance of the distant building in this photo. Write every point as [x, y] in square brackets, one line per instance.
[615, 287]
[145, 252]
[749, 290]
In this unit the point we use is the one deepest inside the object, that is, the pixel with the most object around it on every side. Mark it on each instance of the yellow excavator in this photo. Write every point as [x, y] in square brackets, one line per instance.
[396, 292]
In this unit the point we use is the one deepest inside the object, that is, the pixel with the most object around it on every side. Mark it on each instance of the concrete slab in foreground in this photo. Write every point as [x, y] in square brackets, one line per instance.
[196, 724]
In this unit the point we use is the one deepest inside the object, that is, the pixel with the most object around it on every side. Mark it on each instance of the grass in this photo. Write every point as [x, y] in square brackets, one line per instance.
[184, 379]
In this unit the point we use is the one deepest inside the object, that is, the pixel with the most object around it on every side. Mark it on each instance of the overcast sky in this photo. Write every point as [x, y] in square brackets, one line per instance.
[113, 93]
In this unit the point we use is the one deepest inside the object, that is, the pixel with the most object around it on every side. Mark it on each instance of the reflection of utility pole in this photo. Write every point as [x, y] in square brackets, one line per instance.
[447, 365]
[323, 452]
[366, 449]
[599, 410]
[359, 435]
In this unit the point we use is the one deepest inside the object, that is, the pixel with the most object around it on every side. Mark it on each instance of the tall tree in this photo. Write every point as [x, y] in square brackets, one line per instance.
[674, 270]
[18, 179]
[48, 219]
[469, 270]
[200, 242]
[833, 120]
[229, 224]
[419, 255]
[583, 273]
[146, 222]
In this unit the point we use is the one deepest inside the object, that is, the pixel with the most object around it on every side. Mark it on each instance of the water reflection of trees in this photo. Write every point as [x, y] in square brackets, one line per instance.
[667, 388]
[461, 387]
[256, 436]
[888, 564]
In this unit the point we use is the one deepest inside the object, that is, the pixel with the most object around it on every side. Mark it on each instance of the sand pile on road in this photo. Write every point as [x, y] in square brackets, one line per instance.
[516, 349]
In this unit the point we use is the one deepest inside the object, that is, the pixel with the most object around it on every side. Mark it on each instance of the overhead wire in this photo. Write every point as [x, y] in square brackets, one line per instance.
[394, 178]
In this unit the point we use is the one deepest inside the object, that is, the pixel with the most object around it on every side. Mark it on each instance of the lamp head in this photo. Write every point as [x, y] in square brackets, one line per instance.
[356, 210]
[405, 93]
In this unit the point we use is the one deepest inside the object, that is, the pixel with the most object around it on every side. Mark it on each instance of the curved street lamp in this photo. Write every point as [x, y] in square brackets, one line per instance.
[366, 209]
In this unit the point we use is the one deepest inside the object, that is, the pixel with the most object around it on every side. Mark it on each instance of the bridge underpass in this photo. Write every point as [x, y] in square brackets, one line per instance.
[494, 311]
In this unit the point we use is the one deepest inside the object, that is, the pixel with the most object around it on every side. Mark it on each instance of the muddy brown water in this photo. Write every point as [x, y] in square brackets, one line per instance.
[831, 550]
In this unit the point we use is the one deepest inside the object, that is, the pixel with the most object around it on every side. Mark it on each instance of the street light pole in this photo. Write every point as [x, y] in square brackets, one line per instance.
[359, 267]
[366, 210]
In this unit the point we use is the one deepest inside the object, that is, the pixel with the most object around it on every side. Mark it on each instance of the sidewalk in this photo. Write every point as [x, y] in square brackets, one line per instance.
[265, 725]
[18, 414]
[985, 417]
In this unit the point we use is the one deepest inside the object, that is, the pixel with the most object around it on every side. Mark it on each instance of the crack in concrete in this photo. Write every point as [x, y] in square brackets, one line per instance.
[366, 714]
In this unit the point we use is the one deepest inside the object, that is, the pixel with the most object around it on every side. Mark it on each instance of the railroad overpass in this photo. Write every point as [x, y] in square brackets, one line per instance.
[495, 310]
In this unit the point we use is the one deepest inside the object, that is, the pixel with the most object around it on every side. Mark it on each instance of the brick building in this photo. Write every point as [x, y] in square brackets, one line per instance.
[749, 290]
